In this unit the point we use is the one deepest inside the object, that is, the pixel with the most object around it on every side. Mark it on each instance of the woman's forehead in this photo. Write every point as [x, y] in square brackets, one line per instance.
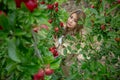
[74, 15]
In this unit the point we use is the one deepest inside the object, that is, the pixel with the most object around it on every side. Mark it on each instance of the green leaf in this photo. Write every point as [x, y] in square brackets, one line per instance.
[12, 50]
[99, 38]
[12, 18]
[10, 67]
[94, 11]
[78, 46]
[28, 68]
[11, 4]
[4, 22]
[69, 48]
[113, 8]
[65, 51]
[48, 58]
[55, 64]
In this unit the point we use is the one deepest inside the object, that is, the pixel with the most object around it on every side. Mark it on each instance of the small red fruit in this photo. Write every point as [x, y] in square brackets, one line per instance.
[50, 20]
[56, 4]
[35, 77]
[44, 26]
[103, 27]
[56, 29]
[2, 13]
[26, 0]
[54, 51]
[43, 2]
[100, 0]
[117, 39]
[56, 9]
[1, 28]
[49, 71]
[18, 3]
[55, 36]
[55, 54]
[50, 6]
[92, 6]
[40, 73]
[118, 1]
[61, 24]
[52, 48]
[36, 29]
[31, 5]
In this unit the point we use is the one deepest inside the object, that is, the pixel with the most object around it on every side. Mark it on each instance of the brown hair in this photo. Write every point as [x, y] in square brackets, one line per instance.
[81, 17]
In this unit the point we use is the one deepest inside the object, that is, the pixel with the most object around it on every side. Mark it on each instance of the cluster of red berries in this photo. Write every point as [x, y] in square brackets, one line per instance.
[30, 4]
[42, 72]
[53, 6]
[54, 51]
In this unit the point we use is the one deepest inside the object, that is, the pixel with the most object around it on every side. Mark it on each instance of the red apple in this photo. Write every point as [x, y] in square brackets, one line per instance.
[2, 12]
[103, 27]
[55, 54]
[56, 29]
[56, 4]
[36, 29]
[18, 3]
[49, 71]
[92, 6]
[117, 39]
[61, 24]
[50, 6]
[40, 73]
[100, 0]
[35, 77]
[44, 26]
[1, 28]
[53, 51]
[52, 48]
[25, 0]
[56, 9]
[118, 1]
[55, 36]
[43, 2]
[31, 5]
[50, 20]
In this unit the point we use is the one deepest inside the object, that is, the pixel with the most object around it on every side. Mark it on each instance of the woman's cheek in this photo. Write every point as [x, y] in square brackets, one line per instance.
[74, 24]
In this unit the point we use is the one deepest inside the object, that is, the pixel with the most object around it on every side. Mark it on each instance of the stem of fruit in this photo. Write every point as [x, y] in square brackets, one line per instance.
[37, 51]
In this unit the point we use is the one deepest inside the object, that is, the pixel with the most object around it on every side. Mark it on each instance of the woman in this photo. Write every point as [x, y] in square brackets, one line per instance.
[67, 42]
[72, 27]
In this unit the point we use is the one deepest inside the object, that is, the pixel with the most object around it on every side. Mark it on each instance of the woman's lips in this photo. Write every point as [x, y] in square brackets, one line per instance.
[68, 24]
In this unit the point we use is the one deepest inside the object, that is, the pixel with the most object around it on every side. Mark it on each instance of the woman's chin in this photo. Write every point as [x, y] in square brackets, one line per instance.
[70, 27]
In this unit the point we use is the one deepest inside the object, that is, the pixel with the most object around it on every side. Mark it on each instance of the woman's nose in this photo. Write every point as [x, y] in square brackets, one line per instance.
[71, 20]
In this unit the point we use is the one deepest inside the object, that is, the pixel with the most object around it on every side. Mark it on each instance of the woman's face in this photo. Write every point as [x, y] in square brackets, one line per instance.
[72, 21]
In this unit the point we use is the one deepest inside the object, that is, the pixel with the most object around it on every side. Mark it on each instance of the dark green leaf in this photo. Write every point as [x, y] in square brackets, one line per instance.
[12, 50]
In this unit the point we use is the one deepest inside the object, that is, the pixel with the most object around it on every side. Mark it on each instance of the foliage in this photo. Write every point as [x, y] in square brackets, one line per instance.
[27, 31]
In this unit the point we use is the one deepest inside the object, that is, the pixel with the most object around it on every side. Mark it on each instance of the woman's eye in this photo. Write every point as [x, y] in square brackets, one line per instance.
[71, 17]
[75, 21]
